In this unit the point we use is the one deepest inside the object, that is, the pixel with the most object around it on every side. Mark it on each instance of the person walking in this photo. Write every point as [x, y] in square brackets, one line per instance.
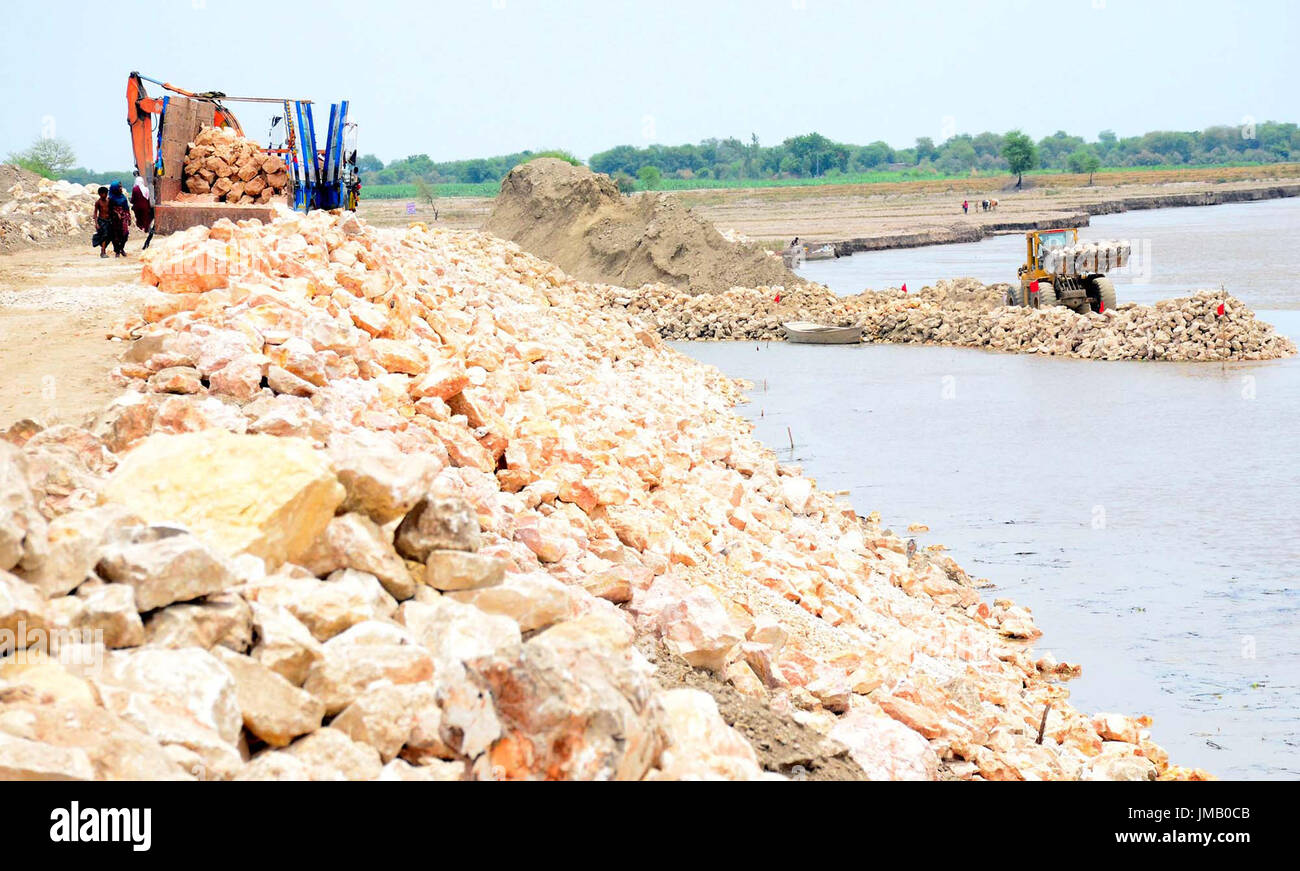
[119, 219]
[143, 209]
[103, 217]
[965, 207]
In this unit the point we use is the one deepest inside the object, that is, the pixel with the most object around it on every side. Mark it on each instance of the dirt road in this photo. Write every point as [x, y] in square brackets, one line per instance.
[56, 307]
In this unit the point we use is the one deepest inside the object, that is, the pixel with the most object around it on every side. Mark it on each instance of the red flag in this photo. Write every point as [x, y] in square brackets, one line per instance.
[1033, 286]
[778, 297]
[904, 287]
[1101, 307]
[1219, 312]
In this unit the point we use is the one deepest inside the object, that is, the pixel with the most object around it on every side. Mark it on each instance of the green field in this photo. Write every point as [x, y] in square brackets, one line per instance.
[408, 191]
[491, 188]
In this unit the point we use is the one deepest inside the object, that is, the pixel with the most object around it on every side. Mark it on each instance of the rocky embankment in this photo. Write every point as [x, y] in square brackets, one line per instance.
[417, 505]
[967, 313]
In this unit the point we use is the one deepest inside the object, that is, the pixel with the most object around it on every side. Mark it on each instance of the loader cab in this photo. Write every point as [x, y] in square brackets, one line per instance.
[1040, 241]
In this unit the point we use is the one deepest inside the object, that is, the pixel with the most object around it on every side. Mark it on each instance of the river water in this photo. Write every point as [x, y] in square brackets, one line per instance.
[1252, 249]
[1148, 513]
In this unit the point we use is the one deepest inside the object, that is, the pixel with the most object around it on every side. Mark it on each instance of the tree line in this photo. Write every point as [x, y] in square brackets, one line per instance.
[420, 167]
[813, 155]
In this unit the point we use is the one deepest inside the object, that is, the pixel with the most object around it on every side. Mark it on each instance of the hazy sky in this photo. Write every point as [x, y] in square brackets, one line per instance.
[470, 78]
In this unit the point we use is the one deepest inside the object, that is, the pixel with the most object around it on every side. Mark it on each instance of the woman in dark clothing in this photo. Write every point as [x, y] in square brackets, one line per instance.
[143, 210]
[119, 224]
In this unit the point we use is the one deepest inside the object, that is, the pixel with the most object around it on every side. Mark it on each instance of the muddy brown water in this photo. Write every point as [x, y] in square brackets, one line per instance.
[1148, 513]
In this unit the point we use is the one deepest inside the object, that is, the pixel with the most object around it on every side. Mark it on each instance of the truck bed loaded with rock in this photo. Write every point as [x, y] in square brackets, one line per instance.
[202, 168]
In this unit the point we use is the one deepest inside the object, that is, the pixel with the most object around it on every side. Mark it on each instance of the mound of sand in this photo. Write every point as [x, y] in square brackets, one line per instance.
[578, 220]
[36, 211]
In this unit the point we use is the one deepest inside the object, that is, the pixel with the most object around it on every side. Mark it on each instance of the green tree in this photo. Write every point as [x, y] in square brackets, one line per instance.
[873, 155]
[650, 176]
[477, 170]
[1083, 160]
[626, 184]
[958, 155]
[425, 191]
[815, 155]
[1054, 150]
[750, 164]
[1021, 154]
[369, 163]
[925, 149]
[622, 158]
[47, 156]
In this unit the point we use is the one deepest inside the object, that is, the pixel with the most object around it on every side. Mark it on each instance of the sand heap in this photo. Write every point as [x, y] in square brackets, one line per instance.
[34, 210]
[228, 168]
[967, 313]
[579, 220]
[413, 505]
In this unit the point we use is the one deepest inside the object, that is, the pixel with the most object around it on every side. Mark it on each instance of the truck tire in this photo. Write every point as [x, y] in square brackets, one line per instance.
[1046, 294]
[1105, 292]
[1016, 294]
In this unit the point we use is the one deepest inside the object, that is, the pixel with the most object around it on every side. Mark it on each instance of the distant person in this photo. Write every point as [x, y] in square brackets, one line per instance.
[119, 219]
[795, 243]
[103, 217]
[354, 193]
[965, 207]
[143, 209]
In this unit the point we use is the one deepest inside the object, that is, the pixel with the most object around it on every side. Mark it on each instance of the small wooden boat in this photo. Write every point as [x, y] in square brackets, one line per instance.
[820, 334]
[822, 252]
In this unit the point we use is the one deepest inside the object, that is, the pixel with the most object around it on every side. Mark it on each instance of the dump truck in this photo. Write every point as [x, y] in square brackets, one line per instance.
[162, 128]
[1060, 270]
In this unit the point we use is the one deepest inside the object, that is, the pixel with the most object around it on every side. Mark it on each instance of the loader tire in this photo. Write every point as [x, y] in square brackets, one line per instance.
[1105, 292]
[1046, 294]
[1016, 294]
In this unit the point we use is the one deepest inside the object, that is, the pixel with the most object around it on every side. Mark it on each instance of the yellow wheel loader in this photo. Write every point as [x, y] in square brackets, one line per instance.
[1058, 271]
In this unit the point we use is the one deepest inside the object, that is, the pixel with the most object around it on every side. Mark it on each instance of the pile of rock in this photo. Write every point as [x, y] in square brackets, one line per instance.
[232, 169]
[411, 505]
[967, 313]
[34, 209]
[1088, 257]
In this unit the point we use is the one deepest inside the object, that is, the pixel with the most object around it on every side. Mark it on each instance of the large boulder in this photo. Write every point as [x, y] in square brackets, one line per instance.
[258, 494]
[574, 703]
[274, 710]
[165, 565]
[437, 523]
[18, 515]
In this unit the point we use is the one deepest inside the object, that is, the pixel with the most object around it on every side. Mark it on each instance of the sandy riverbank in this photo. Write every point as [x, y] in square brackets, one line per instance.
[907, 214]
